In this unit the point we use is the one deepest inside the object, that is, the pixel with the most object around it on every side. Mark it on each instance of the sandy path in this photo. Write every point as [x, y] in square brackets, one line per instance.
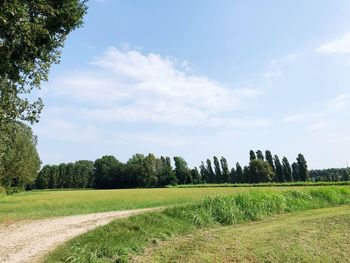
[28, 241]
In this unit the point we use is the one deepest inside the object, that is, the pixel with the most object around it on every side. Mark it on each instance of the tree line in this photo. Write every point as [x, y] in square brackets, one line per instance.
[149, 171]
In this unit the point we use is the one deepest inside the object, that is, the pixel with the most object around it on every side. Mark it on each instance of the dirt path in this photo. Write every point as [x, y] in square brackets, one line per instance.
[28, 241]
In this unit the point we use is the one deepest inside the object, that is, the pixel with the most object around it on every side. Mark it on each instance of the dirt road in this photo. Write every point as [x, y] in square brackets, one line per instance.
[28, 241]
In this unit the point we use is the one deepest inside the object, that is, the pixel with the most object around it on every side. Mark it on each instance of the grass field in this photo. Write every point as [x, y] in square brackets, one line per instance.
[166, 236]
[43, 204]
[320, 235]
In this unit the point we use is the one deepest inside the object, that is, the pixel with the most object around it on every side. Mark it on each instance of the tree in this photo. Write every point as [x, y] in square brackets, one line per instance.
[218, 174]
[287, 170]
[32, 34]
[269, 159]
[211, 178]
[21, 163]
[246, 175]
[204, 173]
[239, 174]
[149, 171]
[233, 176]
[181, 170]
[252, 155]
[302, 168]
[104, 171]
[260, 171]
[195, 175]
[225, 171]
[166, 175]
[260, 155]
[279, 170]
[295, 172]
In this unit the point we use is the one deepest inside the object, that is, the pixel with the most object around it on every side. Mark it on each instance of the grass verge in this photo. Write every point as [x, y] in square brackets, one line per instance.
[121, 239]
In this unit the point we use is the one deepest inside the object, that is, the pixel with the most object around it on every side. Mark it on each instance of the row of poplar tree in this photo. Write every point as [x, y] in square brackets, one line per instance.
[149, 171]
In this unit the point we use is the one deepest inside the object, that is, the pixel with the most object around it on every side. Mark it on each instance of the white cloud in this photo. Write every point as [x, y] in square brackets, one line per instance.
[126, 85]
[301, 117]
[339, 103]
[340, 46]
[317, 126]
[273, 70]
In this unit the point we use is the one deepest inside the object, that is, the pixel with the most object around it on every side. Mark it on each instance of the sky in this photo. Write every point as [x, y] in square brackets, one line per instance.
[202, 78]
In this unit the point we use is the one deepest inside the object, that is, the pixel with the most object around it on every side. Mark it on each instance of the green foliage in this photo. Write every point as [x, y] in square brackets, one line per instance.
[126, 237]
[20, 164]
[302, 168]
[32, 34]
[260, 171]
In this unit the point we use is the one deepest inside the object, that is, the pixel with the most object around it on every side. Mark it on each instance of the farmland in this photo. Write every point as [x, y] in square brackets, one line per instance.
[219, 223]
[44, 204]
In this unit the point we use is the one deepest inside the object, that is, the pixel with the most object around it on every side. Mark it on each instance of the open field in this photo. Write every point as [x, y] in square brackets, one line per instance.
[44, 204]
[165, 236]
[320, 235]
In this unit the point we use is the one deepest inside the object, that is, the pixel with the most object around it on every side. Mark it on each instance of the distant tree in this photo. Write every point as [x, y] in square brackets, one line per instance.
[133, 176]
[295, 172]
[42, 180]
[239, 173]
[252, 155]
[302, 168]
[195, 175]
[104, 171]
[279, 170]
[211, 173]
[182, 171]
[204, 173]
[149, 171]
[269, 159]
[233, 176]
[260, 155]
[260, 171]
[217, 169]
[225, 171]
[246, 175]
[287, 170]
[166, 174]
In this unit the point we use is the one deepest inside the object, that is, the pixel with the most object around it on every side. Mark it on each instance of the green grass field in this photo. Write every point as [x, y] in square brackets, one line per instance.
[320, 235]
[43, 204]
[205, 231]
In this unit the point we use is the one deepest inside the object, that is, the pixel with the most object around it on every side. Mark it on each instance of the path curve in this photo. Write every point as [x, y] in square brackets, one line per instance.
[28, 241]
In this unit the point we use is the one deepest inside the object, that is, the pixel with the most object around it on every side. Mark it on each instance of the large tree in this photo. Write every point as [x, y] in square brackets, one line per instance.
[260, 171]
[279, 170]
[269, 159]
[302, 167]
[287, 170]
[32, 34]
[183, 173]
[20, 164]
[218, 173]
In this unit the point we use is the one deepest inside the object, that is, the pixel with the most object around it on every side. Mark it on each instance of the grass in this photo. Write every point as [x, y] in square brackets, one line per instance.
[44, 204]
[319, 235]
[264, 184]
[122, 239]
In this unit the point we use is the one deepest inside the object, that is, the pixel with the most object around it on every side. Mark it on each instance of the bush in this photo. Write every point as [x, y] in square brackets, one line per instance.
[12, 190]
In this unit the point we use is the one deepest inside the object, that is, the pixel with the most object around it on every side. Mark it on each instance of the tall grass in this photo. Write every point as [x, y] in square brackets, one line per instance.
[120, 239]
[262, 184]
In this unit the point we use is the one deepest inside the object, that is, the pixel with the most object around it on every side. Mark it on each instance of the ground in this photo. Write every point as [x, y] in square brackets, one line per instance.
[319, 235]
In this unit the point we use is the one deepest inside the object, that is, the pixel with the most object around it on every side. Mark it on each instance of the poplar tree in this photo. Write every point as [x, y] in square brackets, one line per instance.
[252, 155]
[260, 155]
[287, 170]
[279, 170]
[269, 159]
[225, 171]
[302, 168]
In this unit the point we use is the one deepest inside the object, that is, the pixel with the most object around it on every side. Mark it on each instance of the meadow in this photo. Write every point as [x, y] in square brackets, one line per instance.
[207, 230]
[44, 204]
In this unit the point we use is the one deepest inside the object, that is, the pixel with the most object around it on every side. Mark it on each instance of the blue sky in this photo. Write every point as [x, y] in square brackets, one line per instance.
[202, 78]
